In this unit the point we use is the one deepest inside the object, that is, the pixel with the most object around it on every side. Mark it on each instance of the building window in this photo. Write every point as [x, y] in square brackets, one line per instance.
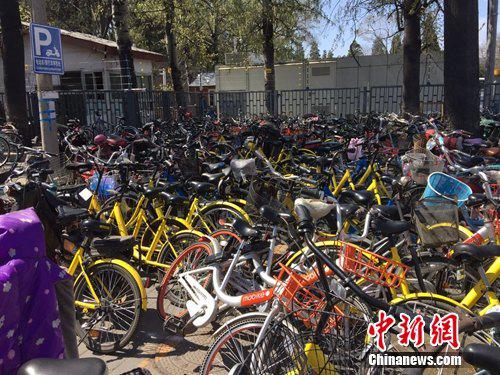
[115, 81]
[320, 71]
[71, 81]
[93, 81]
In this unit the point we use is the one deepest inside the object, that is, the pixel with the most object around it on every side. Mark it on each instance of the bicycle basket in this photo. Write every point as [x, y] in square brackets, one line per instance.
[107, 186]
[421, 164]
[243, 168]
[296, 293]
[444, 186]
[436, 220]
[263, 193]
[371, 267]
[289, 348]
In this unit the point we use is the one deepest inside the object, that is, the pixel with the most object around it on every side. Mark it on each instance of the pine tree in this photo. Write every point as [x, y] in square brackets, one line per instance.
[430, 41]
[396, 44]
[378, 47]
[355, 49]
[314, 51]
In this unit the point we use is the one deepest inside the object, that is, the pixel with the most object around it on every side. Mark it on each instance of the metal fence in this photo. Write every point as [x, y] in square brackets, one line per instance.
[143, 106]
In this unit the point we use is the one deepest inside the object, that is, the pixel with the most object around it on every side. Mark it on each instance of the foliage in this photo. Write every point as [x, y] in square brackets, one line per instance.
[379, 47]
[355, 49]
[396, 44]
[314, 51]
[429, 26]
[205, 29]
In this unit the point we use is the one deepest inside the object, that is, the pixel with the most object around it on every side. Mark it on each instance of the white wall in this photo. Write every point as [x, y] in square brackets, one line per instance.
[385, 70]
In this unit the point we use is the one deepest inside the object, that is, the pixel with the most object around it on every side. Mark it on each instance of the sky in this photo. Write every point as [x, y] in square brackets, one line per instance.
[325, 34]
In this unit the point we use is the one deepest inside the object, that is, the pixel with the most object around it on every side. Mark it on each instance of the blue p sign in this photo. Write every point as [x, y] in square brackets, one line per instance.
[46, 49]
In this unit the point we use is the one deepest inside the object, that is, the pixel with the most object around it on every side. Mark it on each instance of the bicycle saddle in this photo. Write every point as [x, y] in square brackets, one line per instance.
[347, 210]
[361, 197]
[214, 167]
[389, 180]
[391, 227]
[329, 146]
[483, 356]
[467, 251]
[172, 199]
[492, 152]
[468, 161]
[476, 199]
[201, 187]
[67, 214]
[168, 186]
[96, 228]
[317, 208]
[389, 212]
[274, 216]
[244, 229]
[111, 245]
[46, 366]
[212, 177]
[153, 192]
[83, 166]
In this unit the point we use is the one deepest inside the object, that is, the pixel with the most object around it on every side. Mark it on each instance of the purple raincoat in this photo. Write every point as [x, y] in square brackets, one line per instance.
[29, 318]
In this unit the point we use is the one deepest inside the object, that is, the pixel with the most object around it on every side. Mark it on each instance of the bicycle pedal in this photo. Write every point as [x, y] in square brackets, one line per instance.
[173, 325]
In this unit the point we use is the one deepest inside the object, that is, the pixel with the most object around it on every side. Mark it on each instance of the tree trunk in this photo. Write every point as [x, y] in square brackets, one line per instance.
[173, 62]
[491, 39]
[461, 64]
[12, 48]
[411, 56]
[124, 43]
[268, 51]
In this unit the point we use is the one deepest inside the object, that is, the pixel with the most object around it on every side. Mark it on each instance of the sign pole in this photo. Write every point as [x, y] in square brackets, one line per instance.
[46, 104]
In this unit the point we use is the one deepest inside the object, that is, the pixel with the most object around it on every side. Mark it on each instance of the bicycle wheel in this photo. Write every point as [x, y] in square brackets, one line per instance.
[4, 151]
[173, 246]
[232, 347]
[215, 216]
[172, 296]
[113, 323]
[427, 307]
[290, 347]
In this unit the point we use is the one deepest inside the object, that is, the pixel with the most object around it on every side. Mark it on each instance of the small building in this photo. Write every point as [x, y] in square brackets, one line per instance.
[204, 82]
[91, 63]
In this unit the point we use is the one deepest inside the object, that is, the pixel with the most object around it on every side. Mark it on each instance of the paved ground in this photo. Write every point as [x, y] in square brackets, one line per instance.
[156, 351]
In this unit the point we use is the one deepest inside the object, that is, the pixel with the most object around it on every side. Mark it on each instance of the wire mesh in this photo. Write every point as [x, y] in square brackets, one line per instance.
[288, 347]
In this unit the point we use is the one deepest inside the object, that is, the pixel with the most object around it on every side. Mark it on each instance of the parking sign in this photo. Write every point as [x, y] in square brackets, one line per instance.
[46, 49]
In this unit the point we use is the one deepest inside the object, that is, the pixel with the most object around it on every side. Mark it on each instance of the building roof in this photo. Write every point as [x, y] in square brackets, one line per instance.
[110, 46]
[207, 79]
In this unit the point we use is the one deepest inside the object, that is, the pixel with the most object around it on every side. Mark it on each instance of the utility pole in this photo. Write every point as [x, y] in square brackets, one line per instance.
[48, 126]
[491, 39]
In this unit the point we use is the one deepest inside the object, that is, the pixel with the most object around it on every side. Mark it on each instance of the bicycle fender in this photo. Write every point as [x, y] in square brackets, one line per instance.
[129, 269]
[236, 319]
[180, 220]
[228, 205]
[190, 231]
[437, 297]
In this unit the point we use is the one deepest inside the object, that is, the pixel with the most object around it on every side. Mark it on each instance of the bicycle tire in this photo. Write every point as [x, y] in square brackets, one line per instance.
[249, 323]
[5, 151]
[126, 279]
[176, 296]
[204, 223]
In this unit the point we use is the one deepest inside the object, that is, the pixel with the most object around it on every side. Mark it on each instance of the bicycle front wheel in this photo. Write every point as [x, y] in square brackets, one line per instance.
[233, 346]
[4, 151]
[112, 323]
